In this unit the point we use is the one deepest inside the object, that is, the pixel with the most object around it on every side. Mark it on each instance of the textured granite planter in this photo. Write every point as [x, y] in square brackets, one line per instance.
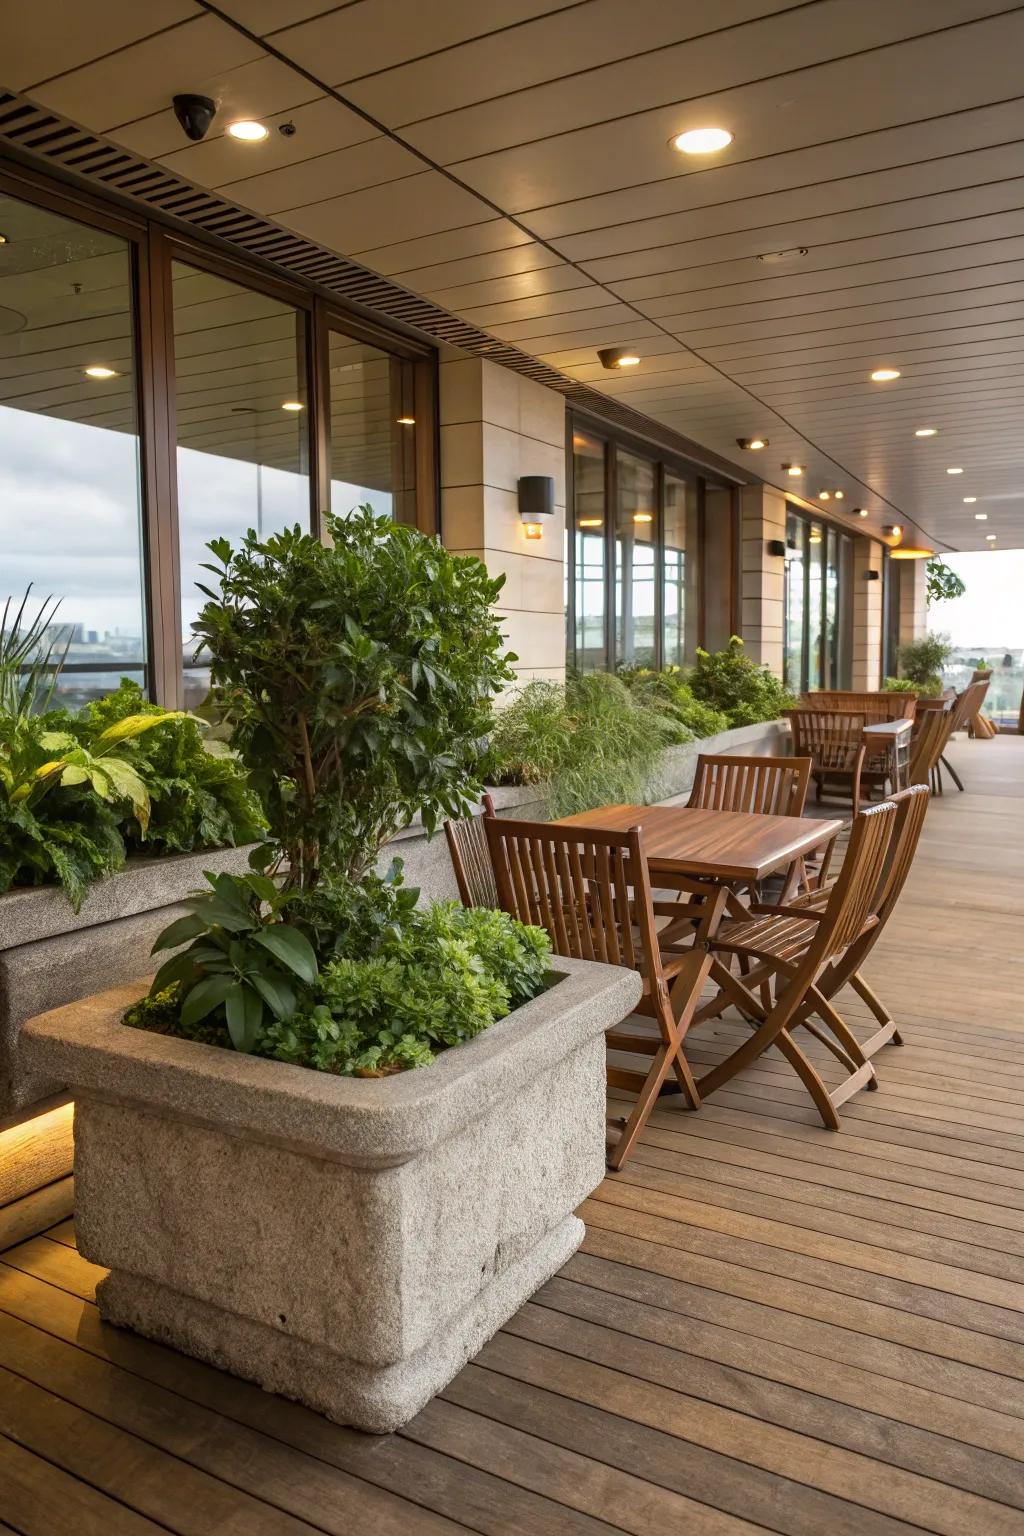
[50, 955]
[347, 1243]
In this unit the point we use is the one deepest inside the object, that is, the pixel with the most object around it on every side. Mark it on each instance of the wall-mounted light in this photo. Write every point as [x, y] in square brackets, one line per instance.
[617, 357]
[536, 498]
[753, 444]
[870, 575]
[777, 547]
[405, 421]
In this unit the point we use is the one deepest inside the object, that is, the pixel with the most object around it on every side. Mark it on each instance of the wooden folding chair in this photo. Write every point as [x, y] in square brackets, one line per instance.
[880, 704]
[471, 859]
[834, 739]
[933, 730]
[591, 891]
[792, 949]
[767, 786]
[965, 707]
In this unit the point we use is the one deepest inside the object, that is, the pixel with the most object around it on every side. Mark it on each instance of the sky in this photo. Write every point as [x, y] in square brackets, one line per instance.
[990, 615]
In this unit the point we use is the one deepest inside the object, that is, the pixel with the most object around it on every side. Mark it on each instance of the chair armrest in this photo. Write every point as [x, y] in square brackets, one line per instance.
[765, 909]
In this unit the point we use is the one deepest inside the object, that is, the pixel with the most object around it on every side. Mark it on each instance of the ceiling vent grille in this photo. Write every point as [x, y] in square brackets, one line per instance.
[53, 142]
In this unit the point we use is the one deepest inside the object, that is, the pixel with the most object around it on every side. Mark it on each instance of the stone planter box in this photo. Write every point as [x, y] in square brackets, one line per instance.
[349, 1243]
[426, 860]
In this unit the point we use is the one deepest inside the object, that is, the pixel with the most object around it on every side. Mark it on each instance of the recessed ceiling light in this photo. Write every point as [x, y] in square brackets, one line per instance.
[248, 132]
[838, 495]
[894, 530]
[753, 443]
[590, 522]
[883, 375]
[3, 238]
[927, 432]
[97, 371]
[775, 258]
[793, 469]
[617, 357]
[968, 500]
[981, 517]
[292, 405]
[955, 470]
[990, 537]
[861, 511]
[406, 421]
[702, 141]
[643, 517]
[824, 495]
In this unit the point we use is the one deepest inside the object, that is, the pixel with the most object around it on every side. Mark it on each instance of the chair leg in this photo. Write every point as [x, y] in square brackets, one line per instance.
[672, 1024]
[810, 1079]
[881, 1013]
[952, 773]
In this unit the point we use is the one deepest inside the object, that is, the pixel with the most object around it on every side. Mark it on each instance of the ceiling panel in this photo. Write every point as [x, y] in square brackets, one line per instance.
[516, 171]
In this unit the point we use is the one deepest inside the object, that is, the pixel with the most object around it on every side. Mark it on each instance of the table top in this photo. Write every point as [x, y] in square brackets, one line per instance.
[889, 728]
[730, 845]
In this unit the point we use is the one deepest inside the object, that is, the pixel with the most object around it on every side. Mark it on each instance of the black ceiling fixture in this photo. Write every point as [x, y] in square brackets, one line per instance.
[195, 114]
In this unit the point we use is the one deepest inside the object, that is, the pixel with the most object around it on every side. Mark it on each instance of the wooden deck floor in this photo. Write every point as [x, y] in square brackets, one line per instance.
[768, 1328]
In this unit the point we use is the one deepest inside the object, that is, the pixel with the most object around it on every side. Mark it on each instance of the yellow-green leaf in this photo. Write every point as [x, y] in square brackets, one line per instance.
[134, 725]
[129, 786]
[74, 775]
[57, 741]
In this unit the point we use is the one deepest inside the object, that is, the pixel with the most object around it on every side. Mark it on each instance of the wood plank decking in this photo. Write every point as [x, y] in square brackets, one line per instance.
[769, 1327]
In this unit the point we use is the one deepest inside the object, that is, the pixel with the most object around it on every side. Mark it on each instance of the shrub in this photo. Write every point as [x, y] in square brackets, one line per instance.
[669, 691]
[903, 685]
[593, 742]
[356, 680]
[922, 661]
[731, 683]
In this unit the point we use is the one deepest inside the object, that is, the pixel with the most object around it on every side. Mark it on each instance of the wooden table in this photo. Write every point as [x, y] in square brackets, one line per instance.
[895, 734]
[735, 846]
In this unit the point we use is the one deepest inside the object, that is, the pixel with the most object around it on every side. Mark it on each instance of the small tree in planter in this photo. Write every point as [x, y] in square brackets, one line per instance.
[346, 1242]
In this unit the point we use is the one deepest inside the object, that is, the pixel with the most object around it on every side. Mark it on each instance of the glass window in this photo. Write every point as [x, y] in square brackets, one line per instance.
[243, 430]
[636, 534]
[815, 633]
[70, 502]
[796, 570]
[680, 592]
[589, 518]
[831, 635]
[373, 430]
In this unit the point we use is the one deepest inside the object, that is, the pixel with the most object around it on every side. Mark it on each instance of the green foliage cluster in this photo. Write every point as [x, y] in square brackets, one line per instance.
[942, 582]
[348, 977]
[730, 682]
[356, 681]
[594, 741]
[669, 691]
[79, 792]
[904, 685]
[921, 664]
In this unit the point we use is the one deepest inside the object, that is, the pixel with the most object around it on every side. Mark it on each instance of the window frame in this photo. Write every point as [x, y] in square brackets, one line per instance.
[154, 244]
[833, 669]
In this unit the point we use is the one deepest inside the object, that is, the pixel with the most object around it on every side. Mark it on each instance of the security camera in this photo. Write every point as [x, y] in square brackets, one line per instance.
[195, 114]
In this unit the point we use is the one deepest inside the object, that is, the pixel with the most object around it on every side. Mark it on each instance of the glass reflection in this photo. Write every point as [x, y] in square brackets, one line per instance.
[636, 532]
[373, 430]
[589, 518]
[679, 582]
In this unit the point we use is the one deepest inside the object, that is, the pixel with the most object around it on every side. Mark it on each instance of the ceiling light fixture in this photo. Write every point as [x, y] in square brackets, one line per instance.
[617, 357]
[643, 517]
[927, 432]
[990, 537]
[752, 443]
[248, 132]
[97, 371]
[860, 511]
[292, 405]
[894, 531]
[911, 552]
[702, 141]
[405, 421]
[590, 522]
[884, 375]
[955, 470]
[824, 495]
[838, 495]
[969, 500]
[981, 517]
[3, 238]
[776, 258]
[793, 469]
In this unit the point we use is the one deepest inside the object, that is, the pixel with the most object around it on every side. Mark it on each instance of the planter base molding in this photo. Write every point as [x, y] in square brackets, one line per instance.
[374, 1398]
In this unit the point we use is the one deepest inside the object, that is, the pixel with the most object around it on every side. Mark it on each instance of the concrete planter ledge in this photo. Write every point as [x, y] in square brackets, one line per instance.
[349, 1243]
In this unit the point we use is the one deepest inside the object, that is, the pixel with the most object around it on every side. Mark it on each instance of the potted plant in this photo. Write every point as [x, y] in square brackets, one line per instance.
[342, 1138]
[921, 664]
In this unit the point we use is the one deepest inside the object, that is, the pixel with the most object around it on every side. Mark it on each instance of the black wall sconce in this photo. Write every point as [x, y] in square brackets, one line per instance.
[777, 547]
[871, 575]
[536, 499]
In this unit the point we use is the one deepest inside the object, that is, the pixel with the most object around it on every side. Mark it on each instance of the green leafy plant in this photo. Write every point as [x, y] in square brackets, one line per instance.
[30, 662]
[942, 582]
[904, 685]
[591, 742]
[669, 691]
[730, 682]
[922, 661]
[241, 958]
[200, 798]
[356, 681]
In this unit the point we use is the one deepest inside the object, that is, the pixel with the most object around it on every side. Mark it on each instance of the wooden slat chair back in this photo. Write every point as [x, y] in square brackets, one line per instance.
[795, 949]
[768, 786]
[966, 706]
[471, 859]
[882, 705]
[929, 742]
[834, 740]
[591, 892]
